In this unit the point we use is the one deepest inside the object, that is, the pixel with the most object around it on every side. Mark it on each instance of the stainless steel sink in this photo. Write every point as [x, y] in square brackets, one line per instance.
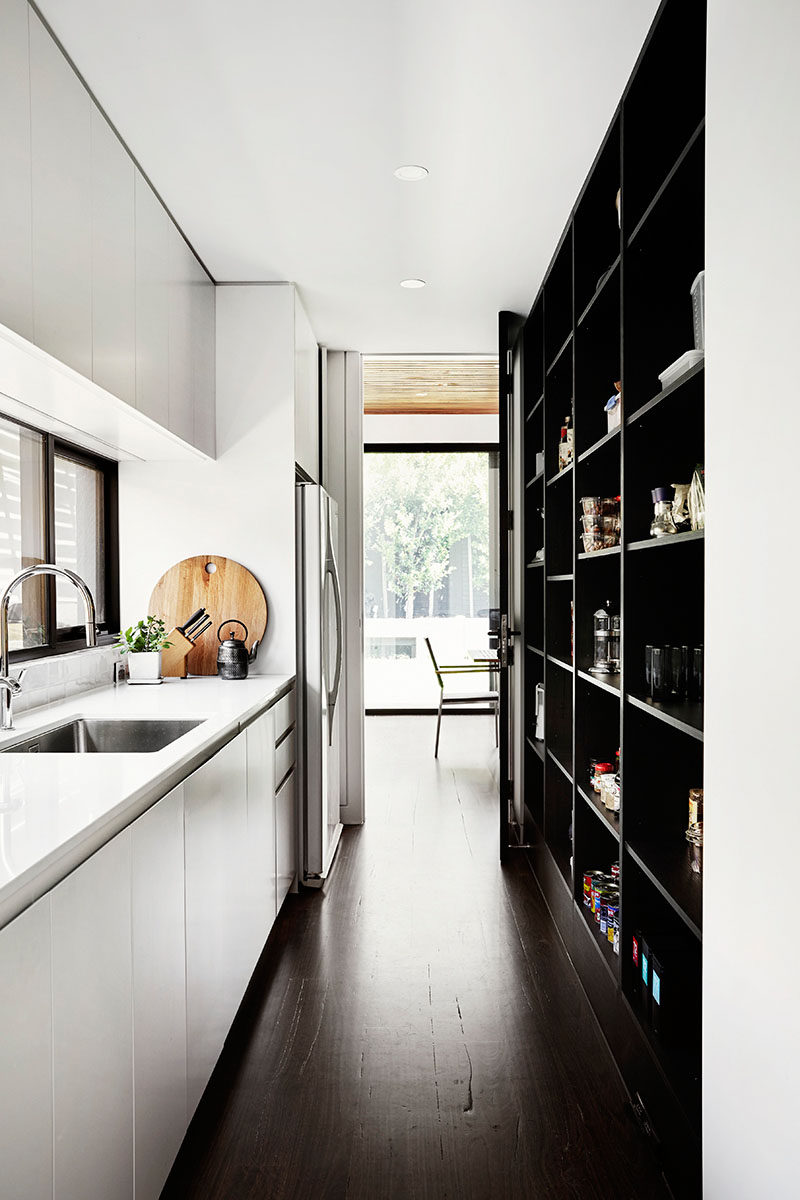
[88, 735]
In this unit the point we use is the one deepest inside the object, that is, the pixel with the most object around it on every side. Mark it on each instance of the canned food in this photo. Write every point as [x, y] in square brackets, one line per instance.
[613, 921]
[588, 877]
[600, 768]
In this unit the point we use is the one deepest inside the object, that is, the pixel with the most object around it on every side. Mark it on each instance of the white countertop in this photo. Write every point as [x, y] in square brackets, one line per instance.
[57, 809]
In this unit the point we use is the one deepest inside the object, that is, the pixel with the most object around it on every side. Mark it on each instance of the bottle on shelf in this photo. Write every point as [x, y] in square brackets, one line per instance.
[566, 447]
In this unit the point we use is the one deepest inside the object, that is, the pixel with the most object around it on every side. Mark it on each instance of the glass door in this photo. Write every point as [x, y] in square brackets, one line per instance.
[431, 569]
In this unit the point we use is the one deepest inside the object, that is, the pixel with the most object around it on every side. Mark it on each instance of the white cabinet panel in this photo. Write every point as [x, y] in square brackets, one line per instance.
[92, 1027]
[61, 187]
[159, 993]
[285, 711]
[26, 1094]
[181, 416]
[261, 895]
[204, 359]
[113, 263]
[152, 304]
[306, 393]
[284, 756]
[16, 266]
[215, 823]
[286, 836]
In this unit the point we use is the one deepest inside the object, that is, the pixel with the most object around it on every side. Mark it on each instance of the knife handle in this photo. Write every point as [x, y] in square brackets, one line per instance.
[192, 620]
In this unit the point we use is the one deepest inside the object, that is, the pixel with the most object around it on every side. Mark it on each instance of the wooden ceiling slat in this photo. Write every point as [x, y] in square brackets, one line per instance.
[430, 384]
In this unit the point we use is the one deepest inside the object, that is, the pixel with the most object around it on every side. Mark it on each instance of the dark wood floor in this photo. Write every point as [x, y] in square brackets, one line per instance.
[415, 1030]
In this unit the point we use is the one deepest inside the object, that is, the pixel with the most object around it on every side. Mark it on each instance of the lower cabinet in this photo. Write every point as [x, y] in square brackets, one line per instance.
[286, 835]
[93, 1027]
[262, 904]
[159, 992]
[118, 988]
[215, 826]
[26, 1054]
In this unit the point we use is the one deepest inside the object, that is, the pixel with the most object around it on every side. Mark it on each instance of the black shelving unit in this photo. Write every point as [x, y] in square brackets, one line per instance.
[615, 305]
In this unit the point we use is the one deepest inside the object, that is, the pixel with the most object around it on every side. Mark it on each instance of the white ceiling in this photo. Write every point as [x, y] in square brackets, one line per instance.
[271, 129]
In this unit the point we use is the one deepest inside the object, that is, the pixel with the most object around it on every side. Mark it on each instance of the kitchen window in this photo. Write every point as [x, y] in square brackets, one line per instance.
[57, 504]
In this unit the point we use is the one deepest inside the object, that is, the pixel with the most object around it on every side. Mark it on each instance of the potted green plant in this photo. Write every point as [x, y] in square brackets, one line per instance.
[143, 643]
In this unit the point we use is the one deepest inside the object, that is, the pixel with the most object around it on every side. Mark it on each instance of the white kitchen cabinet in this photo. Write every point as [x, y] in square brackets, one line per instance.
[159, 993]
[181, 379]
[215, 825]
[61, 204]
[152, 303]
[203, 360]
[306, 393]
[26, 1046]
[16, 265]
[113, 262]
[92, 1027]
[286, 835]
[261, 866]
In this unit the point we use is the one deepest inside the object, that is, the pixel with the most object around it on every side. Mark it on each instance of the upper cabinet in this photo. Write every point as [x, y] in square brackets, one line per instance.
[152, 304]
[92, 268]
[113, 263]
[16, 270]
[181, 389]
[306, 393]
[204, 366]
[61, 175]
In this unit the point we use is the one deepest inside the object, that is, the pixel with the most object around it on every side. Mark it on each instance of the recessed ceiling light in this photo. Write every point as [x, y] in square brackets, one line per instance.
[412, 283]
[411, 173]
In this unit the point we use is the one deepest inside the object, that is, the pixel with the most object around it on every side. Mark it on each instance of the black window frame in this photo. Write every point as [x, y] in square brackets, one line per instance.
[65, 641]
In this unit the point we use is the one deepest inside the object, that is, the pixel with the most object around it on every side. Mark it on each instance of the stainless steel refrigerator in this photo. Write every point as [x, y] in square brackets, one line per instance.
[319, 672]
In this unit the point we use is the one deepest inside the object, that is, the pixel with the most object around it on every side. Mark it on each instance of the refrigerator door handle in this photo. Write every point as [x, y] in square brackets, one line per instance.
[333, 692]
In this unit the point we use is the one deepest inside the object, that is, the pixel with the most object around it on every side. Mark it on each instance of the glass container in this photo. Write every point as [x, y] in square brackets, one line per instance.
[663, 524]
[602, 636]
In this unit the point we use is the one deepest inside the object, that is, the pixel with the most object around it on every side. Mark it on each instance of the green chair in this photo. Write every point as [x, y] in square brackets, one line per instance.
[456, 699]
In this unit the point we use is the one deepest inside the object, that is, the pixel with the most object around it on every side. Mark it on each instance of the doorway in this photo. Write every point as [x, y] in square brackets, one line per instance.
[431, 567]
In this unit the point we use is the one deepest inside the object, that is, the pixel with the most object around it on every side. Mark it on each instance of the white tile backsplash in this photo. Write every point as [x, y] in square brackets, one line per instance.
[48, 680]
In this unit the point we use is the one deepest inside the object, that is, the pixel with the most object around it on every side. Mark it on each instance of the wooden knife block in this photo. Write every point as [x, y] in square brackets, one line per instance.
[173, 660]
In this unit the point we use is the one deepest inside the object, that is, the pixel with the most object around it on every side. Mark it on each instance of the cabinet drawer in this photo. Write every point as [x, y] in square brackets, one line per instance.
[285, 837]
[284, 756]
[284, 711]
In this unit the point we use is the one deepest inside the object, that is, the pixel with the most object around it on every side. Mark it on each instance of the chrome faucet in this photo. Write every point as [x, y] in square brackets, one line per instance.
[11, 687]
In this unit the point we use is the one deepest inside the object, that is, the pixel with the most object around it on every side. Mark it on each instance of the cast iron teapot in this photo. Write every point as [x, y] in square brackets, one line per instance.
[233, 658]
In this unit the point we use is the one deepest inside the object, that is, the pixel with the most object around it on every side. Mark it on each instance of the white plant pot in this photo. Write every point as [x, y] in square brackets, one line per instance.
[144, 668]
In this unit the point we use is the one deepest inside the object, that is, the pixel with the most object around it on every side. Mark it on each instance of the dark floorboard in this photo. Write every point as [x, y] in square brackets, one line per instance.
[415, 1031]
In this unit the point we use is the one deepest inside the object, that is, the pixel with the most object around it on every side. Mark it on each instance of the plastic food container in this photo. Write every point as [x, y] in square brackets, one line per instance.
[596, 506]
[680, 367]
[600, 524]
[698, 291]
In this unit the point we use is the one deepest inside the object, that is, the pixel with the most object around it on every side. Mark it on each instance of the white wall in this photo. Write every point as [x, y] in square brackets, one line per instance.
[436, 427]
[241, 505]
[751, 1025]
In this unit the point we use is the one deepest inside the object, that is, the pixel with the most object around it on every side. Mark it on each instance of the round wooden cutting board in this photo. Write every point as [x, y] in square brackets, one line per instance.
[225, 589]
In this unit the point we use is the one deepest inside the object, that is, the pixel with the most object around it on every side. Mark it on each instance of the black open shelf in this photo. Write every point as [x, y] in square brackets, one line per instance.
[607, 683]
[674, 539]
[607, 552]
[669, 868]
[615, 306]
[667, 393]
[599, 940]
[563, 474]
[686, 716]
[606, 440]
[610, 819]
[537, 746]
